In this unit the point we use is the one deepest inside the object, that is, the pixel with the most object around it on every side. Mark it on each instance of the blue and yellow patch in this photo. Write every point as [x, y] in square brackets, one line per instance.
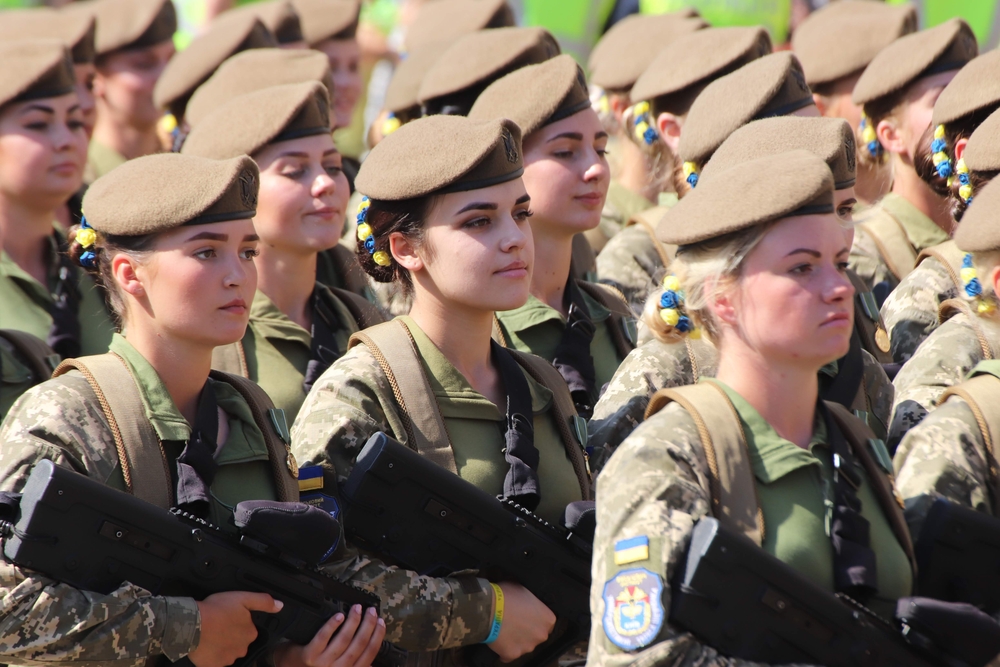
[633, 608]
[632, 550]
[310, 478]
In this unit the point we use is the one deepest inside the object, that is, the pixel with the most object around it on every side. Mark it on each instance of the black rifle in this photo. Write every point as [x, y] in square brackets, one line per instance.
[425, 518]
[90, 536]
[745, 603]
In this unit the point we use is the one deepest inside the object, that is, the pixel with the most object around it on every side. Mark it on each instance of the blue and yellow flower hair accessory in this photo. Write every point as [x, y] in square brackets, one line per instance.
[939, 154]
[390, 124]
[642, 124]
[672, 308]
[869, 138]
[974, 289]
[965, 187]
[86, 237]
[691, 173]
[366, 236]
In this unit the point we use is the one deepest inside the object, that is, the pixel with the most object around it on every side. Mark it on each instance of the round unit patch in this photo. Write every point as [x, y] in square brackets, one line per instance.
[633, 608]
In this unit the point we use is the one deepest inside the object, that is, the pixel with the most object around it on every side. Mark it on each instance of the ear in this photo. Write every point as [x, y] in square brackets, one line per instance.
[404, 251]
[820, 103]
[960, 148]
[618, 104]
[890, 137]
[995, 280]
[669, 127]
[724, 310]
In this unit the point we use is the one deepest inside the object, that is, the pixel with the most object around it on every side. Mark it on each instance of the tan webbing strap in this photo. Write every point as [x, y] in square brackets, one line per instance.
[868, 321]
[733, 488]
[355, 279]
[858, 434]
[892, 242]
[612, 299]
[231, 359]
[364, 311]
[564, 409]
[497, 334]
[952, 307]
[36, 352]
[950, 257]
[982, 393]
[284, 470]
[643, 219]
[140, 454]
[393, 348]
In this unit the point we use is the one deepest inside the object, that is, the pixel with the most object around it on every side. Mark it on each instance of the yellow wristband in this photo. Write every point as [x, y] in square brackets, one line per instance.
[497, 615]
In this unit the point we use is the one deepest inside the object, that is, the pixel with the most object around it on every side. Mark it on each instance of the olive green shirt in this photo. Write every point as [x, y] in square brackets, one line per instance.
[537, 328]
[25, 303]
[795, 491]
[15, 376]
[100, 160]
[278, 350]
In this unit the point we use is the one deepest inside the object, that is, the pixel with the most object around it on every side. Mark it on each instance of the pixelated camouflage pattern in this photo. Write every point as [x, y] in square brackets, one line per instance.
[16, 376]
[866, 261]
[631, 263]
[941, 361]
[910, 312]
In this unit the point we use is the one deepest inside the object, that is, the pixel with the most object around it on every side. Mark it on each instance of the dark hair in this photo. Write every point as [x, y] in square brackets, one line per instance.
[978, 180]
[405, 216]
[953, 132]
[875, 112]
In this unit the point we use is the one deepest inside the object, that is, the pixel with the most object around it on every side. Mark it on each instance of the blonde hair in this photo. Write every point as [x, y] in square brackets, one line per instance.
[704, 271]
[660, 160]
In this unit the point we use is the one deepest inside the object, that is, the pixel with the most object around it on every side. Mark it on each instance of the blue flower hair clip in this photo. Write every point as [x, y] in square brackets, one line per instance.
[869, 138]
[642, 124]
[672, 308]
[939, 155]
[974, 289]
[365, 235]
[87, 237]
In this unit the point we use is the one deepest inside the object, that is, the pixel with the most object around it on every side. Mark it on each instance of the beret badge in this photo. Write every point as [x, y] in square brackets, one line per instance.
[509, 146]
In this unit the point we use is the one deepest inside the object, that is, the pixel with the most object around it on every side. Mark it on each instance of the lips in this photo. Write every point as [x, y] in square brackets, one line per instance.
[514, 269]
[236, 306]
[326, 213]
[592, 199]
[838, 319]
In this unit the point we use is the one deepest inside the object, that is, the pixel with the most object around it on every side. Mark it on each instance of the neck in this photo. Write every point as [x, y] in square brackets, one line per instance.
[183, 367]
[25, 230]
[633, 173]
[783, 394]
[288, 280]
[127, 140]
[553, 257]
[872, 182]
[908, 185]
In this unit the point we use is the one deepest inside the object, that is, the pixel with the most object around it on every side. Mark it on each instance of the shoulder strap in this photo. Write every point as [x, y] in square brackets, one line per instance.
[584, 260]
[364, 311]
[41, 358]
[621, 313]
[982, 393]
[859, 436]
[231, 359]
[642, 219]
[392, 346]
[284, 469]
[952, 307]
[950, 257]
[732, 485]
[497, 334]
[564, 410]
[140, 454]
[892, 243]
[868, 321]
[349, 269]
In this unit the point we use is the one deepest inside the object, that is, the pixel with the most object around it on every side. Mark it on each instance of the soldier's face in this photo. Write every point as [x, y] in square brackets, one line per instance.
[793, 302]
[85, 73]
[345, 68]
[123, 85]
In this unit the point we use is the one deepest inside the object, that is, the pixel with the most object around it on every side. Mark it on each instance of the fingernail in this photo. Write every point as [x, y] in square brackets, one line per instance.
[381, 623]
[279, 605]
[338, 617]
[371, 611]
[356, 609]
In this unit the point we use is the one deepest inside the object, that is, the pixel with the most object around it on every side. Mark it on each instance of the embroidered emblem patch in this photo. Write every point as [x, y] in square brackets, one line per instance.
[631, 550]
[633, 608]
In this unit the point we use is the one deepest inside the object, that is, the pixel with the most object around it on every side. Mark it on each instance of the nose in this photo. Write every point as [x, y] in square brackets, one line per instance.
[839, 287]
[323, 185]
[515, 236]
[597, 170]
[241, 273]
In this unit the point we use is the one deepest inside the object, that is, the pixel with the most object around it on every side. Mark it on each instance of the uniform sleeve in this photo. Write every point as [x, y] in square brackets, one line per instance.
[654, 489]
[866, 261]
[630, 262]
[941, 361]
[879, 393]
[43, 621]
[943, 457]
[349, 403]
[911, 311]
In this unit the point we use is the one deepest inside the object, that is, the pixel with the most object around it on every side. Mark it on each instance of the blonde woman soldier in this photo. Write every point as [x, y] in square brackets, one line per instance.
[856, 381]
[761, 272]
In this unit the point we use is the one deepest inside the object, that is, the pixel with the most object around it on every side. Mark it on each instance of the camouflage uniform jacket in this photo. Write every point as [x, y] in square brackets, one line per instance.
[910, 312]
[656, 486]
[941, 361]
[655, 365]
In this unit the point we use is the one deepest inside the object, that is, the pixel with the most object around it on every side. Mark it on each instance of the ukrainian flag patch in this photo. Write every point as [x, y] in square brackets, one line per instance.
[310, 478]
[631, 550]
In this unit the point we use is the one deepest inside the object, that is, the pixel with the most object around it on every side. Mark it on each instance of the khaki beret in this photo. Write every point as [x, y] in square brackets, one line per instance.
[249, 122]
[441, 154]
[939, 49]
[77, 30]
[682, 69]
[327, 19]
[253, 70]
[535, 95]
[404, 86]
[476, 60]
[131, 200]
[129, 24]
[830, 139]
[447, 20]
[33, 69]
[626, 50]
[982, 153]
[976, 87]
[843, 37]
[739, 197]
[770, 86]
[980, 228]
[188, 69]
[278, 16]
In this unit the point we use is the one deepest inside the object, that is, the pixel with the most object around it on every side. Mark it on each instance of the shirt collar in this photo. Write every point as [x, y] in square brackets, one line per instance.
[920, 230]
[534, 312]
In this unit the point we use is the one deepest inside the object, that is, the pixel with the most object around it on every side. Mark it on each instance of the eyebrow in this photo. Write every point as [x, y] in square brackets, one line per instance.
[38, 107]
[209, 236]
[808, 251]
[575, 136]
[522, 199]
[479, 206]
[250, 237]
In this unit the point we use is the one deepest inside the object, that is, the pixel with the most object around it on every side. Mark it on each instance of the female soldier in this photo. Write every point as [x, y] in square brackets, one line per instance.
[583, 328]
[43, 148]
[911, 311]
[298, 327]
[177, 264]
[764, 277]
[897, 92]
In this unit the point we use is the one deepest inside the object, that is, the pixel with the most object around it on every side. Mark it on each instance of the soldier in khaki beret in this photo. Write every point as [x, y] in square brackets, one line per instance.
[280, 17]
[331, 26]
[43, 149]
[584, 328]
[897, 92]
[912, 309]
[834, 45]
[750, 256]
[447, 20]
[134, 43]
[448, 218]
